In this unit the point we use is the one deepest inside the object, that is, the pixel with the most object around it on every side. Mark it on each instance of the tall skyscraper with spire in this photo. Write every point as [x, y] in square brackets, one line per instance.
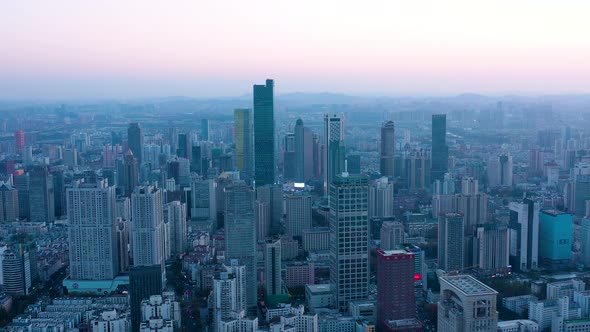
[135, 140]
[440, 150]
[387, 148]
[264, 134]
[333, 148]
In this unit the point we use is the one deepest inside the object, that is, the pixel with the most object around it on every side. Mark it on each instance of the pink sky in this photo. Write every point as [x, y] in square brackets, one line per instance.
[73, 49]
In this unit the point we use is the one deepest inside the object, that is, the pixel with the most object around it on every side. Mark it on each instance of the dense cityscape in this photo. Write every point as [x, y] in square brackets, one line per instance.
[296, 212]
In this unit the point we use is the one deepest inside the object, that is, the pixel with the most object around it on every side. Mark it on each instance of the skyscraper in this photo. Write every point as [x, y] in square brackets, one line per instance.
[387, 148]
[264, 134]
[273, 196]
[500, 171]
[228, 293]
[144, 281]
[130, 173]
[205, 130]
[135, 140]
[395, 286]
[147, 233]
[524, 235]
[303, 152]
[556, 237]
[240, 233]
[492, 247]
[243, 139]
[91, 231]
[440, 150]
[272, 263]
[298, 213]
[175, 217]
[466, 305]
[184, 146]
[203, 200]
[585, 241]
[349, 239]
[333, 148]
[8, 202]
[450, 242]
[41, 199]
[289, 157]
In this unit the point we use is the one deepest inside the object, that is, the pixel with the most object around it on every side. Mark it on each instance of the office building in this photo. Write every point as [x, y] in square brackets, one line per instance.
[147, 232]
[144, 281]
[264, 134]
[466, 304]
[92, 234]
[395, 286]
[556, 237]
[524, 235]
[316, 239]
[240, 233]
[518, 325]
[41, 194]
[581, 193]
[243, 140]
[17, 274]
[205, 130]
[491, 253]
[333, 148]
[273, 196]
[130, 172]
[451, 242]
[184, 146]
[387, 149]
[8, 202]
[381, 198]
[289, 157]
[135, 140]
[440, 150]
[272, 264]
[349, 232]
[392, 235]
[298, 208]
[203, 199]
[303, 152]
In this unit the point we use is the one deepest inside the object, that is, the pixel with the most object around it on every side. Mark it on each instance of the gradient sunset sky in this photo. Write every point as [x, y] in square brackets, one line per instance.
[208, 48]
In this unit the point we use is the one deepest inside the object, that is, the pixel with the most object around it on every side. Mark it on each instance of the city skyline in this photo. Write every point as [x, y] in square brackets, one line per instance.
[67, 50]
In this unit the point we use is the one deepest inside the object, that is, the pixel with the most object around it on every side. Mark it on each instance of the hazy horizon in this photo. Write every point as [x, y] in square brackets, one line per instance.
[125, 50]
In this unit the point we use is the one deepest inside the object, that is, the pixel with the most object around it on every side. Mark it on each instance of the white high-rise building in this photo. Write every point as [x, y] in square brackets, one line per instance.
[298, 214]
[229, 293]
[524, 235]
[381, 198]
[466, 305]
[175, 218]
[272, 263]
[110, 321]
[349, 239]
[91, 231]
[147, 232]
[392, 235]
[492, 248]
[469, 186]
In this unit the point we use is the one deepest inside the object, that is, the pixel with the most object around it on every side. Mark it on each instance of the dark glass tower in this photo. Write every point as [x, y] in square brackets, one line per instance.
[144, 281]
[205, 129]
[440, 150]
[387, 149]
[264, 131]
[135, 140]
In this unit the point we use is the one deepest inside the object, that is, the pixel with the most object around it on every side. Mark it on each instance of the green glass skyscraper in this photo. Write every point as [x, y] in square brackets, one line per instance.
[264, 134]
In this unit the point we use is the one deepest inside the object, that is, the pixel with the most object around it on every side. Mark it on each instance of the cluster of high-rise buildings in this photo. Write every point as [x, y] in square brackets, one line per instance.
[261, 221]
